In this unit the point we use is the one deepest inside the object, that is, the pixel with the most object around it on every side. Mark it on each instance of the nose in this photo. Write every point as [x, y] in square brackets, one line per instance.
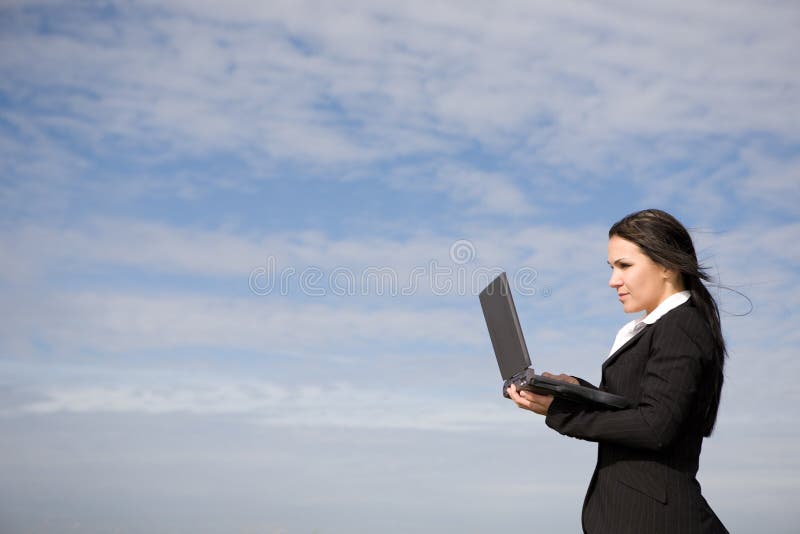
[615, 281]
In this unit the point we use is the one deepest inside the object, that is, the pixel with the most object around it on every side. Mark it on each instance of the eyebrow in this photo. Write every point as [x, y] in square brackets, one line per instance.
[617, 260]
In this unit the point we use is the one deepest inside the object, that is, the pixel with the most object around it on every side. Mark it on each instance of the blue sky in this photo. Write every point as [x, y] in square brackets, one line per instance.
[156, 157]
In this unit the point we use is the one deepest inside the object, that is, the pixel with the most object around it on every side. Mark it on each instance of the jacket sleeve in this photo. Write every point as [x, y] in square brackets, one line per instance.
[669, 385]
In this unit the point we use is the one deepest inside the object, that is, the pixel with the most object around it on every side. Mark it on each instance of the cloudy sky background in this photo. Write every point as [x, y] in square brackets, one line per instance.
[159, 160]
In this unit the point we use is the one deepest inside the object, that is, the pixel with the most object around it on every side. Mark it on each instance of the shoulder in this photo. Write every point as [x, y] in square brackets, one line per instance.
[684, 322]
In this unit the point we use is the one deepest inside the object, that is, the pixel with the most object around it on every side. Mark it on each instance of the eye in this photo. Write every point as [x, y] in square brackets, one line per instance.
[624, 265]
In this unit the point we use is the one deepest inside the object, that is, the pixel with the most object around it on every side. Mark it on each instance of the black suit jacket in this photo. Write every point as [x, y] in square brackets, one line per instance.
[648, 455]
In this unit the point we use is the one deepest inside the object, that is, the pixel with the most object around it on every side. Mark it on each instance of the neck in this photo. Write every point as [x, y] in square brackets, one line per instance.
[668, 292]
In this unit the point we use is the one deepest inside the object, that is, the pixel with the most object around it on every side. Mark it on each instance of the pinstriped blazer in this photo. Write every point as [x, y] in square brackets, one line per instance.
[648, 455]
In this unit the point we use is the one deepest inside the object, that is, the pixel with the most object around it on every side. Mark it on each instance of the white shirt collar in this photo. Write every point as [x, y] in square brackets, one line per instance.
[669, 303]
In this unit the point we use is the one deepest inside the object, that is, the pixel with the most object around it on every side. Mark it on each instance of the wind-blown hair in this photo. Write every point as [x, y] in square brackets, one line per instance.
[663, 239]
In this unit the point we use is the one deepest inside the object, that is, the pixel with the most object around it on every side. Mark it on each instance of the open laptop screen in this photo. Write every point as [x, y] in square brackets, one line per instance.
[504, 329]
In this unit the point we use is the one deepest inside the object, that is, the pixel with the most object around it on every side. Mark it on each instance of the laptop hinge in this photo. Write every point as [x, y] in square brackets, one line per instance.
[521, 379]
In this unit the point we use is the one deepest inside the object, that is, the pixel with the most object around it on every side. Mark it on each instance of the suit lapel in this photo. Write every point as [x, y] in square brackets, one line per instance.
[624, 347]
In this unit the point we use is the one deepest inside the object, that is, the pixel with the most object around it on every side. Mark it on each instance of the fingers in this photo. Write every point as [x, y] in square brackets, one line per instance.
[566, 378]
[513, 394]
[530, 401]
[563, 377]
[571, 380]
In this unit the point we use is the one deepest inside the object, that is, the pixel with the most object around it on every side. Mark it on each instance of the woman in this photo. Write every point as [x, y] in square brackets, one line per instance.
[669, 364]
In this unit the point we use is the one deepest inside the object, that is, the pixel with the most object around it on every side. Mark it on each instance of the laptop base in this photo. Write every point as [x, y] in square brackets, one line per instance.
[527, 380]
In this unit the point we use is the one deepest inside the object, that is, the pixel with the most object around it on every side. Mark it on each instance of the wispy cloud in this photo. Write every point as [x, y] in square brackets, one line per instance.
[298, 404]
[154, 155]
[570, 85]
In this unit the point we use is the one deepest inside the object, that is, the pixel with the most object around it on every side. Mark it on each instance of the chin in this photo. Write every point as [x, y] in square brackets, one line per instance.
[630, 308]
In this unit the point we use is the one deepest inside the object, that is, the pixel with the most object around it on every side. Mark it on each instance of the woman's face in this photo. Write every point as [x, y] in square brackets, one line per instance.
[641, 284]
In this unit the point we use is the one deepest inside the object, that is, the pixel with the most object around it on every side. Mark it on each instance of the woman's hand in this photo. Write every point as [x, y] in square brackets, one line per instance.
[537, 403]
[563, 378]
[528, 400]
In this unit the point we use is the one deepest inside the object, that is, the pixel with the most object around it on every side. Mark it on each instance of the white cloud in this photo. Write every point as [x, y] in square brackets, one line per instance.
[378, 81]
[120, 323]
[298, 404]
[43, 251]
[570, 262]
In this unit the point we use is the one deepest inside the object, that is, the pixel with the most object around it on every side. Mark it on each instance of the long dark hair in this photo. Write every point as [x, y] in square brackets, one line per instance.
[664, 240]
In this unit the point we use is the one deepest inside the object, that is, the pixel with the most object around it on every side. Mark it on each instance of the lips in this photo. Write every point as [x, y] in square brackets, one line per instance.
[621, 295]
